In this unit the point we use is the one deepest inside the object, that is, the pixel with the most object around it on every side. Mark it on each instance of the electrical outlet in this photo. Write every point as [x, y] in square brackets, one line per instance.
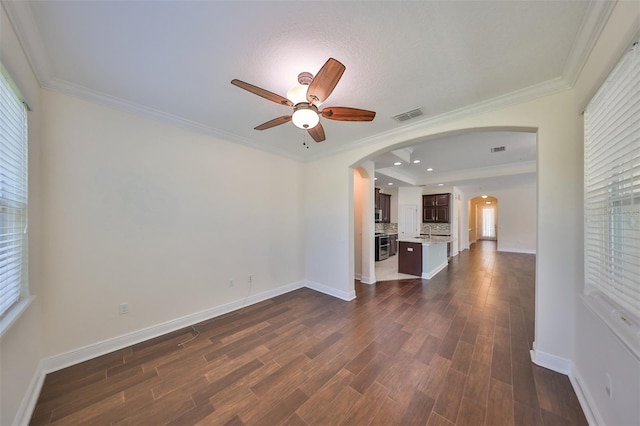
[123, 308]
[230, 283]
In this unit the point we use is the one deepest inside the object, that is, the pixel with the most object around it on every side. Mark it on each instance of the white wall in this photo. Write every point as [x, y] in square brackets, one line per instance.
[21, 345]
[156, 216]
[517, 218]
[597, 350]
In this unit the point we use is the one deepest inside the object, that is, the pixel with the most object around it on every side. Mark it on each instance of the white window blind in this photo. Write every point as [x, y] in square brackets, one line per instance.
[612, 188]
[13, 196]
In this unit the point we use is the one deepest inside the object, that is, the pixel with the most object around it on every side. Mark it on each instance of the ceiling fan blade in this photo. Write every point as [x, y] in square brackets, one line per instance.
[262, 92]
[275, 122]
[347, 114]
[317, 132]
[325, 81]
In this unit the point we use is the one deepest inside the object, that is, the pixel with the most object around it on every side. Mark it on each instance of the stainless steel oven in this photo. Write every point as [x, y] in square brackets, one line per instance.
[382, 247]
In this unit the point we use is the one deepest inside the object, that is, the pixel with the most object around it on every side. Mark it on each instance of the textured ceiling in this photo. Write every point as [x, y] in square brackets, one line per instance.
[174, 60]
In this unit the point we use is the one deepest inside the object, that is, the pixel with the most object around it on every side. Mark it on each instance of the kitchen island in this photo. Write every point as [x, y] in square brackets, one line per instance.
[423, 256]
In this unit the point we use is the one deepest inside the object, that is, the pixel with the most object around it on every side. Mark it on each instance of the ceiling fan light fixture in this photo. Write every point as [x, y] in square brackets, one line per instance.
[305, 116]
[298, 93]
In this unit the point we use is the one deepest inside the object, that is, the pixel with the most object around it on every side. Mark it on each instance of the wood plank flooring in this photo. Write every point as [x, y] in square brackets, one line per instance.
[453, 350]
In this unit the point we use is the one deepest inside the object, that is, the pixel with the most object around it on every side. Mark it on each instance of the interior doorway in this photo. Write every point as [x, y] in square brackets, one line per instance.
[483, 219]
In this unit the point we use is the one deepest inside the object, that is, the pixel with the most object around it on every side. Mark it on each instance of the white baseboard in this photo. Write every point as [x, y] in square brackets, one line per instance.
[94, 350]
[28, 404]
[344, 295]
[552, 362]
[428, 276]
[367, 280]
[566, 366]
[515, 250]
[589, 408]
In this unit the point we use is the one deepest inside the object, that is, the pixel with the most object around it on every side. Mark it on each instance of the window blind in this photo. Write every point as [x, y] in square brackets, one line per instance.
[612, 187]
[13, 195]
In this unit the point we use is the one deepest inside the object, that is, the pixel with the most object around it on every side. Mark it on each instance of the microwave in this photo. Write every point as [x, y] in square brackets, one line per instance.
[378, 215]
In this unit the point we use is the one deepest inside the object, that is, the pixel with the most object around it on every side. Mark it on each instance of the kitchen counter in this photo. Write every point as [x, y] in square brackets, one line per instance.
[423, 256]
[434, 239]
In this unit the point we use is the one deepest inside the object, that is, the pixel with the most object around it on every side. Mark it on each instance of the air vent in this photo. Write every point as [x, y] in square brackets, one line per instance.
[408, 115]
[498, 148]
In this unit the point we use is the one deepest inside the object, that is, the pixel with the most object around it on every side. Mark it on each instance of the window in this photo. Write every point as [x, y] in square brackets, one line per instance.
[488, 223]
[13, 195]
[612, 194]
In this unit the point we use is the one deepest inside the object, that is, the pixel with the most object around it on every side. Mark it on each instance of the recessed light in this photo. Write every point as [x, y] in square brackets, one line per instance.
[485, 196]
[441, 184]
[375, 178]
[416, 161]
[487, 202]
[397, 163]
[390, 183]
[429, 169]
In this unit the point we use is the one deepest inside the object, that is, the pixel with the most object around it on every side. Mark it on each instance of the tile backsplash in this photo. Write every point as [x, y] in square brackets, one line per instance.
[387, 228]
[436, 228]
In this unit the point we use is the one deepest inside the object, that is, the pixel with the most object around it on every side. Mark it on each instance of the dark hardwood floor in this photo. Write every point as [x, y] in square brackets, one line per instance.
[451, 350]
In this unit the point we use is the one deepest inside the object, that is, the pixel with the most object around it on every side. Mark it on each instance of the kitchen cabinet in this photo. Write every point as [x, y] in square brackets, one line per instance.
[385, 206]
[377, 198]
[435, 208]
[410, 258]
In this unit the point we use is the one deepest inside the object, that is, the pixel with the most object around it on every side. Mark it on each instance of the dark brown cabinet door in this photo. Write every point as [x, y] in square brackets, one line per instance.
[442, 214]
[410, 258]
[442, 199]
[429, 214]
[377, 198]
[435, 208]
[385, 206]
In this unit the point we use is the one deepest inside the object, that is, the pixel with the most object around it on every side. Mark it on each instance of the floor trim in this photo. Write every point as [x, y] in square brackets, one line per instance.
[344, 295]
[58, 362]
[589, 408]
[30, 399]
[552, 362]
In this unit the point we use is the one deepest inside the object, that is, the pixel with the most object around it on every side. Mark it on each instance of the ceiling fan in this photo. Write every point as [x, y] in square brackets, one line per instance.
[305, 99]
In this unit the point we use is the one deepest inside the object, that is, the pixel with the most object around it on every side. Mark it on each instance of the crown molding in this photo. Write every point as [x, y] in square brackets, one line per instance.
[21, 18]
[594, 20]
[120, 104]
[420, 128]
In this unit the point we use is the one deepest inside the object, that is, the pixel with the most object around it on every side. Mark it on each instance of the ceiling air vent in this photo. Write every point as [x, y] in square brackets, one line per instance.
[498, 148]
[408, 115]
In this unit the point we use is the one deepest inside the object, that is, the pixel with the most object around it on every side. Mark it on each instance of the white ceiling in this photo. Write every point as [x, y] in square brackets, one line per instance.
[174, 60]
[464, 160]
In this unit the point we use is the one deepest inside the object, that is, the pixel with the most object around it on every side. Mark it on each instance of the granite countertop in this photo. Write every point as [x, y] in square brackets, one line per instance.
[435, 239]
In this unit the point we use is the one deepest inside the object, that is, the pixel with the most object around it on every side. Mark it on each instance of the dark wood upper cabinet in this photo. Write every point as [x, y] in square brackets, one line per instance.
[435, 208]
[385, 206]
[383, 202]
